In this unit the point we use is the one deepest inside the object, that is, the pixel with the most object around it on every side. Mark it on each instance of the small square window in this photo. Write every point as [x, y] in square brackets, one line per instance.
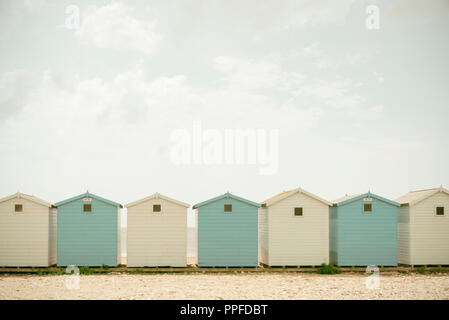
[298, 212]
[367, 207]
[156, 208]
[18, 208]
[228, 208]
[440, 211]
[87, 208]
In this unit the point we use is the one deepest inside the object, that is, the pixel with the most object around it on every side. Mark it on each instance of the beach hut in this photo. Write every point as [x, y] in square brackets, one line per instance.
[363, 231]
[294, 229]
[27, 232]
[227, 231]
[423, 231]
[88, 231]
[157, 232]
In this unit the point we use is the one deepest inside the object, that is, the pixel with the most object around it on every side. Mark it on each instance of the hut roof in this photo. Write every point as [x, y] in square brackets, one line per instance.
[157, 196]
[88, 195]
[227, 195]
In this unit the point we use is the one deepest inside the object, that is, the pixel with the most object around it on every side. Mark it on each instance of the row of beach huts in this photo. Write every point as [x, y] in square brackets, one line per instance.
[293, 228]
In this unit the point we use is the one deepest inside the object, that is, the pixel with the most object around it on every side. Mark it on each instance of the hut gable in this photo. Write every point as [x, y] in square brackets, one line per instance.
[285, 194]
[414, 197]
[352, 198]
[88, 195]
[155, 197]
[227, 195]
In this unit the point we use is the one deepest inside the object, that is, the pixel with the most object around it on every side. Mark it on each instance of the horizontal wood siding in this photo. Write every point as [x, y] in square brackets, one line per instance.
[404, 235]
[52, 236]
[87, 239]
[298, 240]
[333, 235]
[227, 239]
[263, 235]
[157, 238]
[430, 233]
[367, 238]
[24, 238]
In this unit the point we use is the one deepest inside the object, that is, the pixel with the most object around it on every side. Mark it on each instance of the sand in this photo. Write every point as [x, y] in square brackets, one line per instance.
[225, 286]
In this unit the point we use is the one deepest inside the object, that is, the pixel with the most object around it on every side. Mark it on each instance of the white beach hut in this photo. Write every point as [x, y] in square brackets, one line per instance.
[294, 229]
[157, 232]
[423, 227]
[27, 232]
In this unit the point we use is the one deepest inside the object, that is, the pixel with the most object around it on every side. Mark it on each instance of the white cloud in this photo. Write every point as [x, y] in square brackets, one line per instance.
[297, 14]
[341, 95]
[114, 26]
[244, 74]
[15, 88]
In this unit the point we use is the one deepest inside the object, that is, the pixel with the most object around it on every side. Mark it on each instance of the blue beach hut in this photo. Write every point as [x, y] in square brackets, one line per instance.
[88, 231]
[363, 231]
[227, 232]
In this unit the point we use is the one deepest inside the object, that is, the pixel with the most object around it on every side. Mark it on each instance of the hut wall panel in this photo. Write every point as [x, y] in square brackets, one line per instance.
[157, 239]
[263, 236]
[52, 236]
[367, 239]
[299, 240]
[23, 236]
[227, 239]
[404, 235]
[87, 239]
[430, 233]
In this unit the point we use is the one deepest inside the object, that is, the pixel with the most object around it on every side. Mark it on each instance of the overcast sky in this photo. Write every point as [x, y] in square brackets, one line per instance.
[94, 107]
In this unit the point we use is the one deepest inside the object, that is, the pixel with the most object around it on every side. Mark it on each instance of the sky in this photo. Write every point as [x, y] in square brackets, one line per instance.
[93, 92]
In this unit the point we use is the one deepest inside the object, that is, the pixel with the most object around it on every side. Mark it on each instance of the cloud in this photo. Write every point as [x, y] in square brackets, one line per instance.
[321, 59]
[294, 14]
[250, 74]
[341, 95]
[114, 26]
[15, 89]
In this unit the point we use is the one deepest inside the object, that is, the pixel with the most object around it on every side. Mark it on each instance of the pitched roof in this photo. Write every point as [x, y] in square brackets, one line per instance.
[286, 194]
[227, 195]
[413, 197]
[27, 197]
[348, 199]
[157, 196]
[88, 195]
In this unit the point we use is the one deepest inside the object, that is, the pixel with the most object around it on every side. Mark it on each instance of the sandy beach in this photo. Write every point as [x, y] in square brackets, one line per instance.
[225, 286]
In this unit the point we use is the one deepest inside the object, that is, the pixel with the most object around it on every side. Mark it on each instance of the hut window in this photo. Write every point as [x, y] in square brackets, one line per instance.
[367, 207]
[87, 208]
[298, 212]
[440, 211]
[156, 208]
[18, 208]
[228, 208]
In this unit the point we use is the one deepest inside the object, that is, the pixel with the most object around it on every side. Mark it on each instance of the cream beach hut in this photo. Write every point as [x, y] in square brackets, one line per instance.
[294, 229]
[423, 227]
[157, 232]
[27, 232]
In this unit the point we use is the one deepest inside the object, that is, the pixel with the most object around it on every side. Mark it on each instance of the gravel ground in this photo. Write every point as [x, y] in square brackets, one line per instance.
[226, 286]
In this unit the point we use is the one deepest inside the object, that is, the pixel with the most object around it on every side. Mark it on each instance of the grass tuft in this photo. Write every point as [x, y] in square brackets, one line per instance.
[328, 269]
